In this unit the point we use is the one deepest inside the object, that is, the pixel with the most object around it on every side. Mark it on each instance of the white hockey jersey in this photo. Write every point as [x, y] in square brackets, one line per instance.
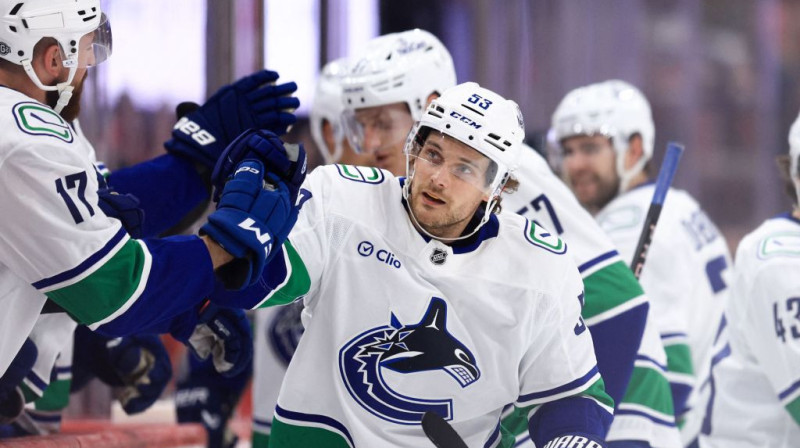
[756, 400]
[276, 333]
[686, 278]
[646, 411]
[402, 325]
[48, 184]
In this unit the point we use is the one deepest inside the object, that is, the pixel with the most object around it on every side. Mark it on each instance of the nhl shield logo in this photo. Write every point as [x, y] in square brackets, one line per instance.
[438, 257]
[4, 49]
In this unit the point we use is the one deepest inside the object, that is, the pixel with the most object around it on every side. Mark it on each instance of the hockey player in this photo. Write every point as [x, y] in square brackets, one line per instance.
[383, 97]
[615, 305]
[423, 299]
[605, 133]
[756, 376]
[615, 309]
[58, 244]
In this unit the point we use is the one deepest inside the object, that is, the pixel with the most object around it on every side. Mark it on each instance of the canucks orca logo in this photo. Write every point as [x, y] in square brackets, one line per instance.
[425, 346]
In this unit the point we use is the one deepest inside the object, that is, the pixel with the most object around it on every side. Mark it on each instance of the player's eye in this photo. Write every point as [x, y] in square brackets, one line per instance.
[464, 170]
[432, 156]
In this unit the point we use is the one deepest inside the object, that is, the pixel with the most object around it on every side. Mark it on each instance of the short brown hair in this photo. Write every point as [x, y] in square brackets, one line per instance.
[510, 187]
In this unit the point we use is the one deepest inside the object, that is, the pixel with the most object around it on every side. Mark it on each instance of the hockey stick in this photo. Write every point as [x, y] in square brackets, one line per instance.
[440, 432]
[663, 182]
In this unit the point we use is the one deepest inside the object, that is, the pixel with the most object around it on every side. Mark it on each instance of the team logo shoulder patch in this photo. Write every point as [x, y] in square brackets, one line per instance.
[541, 237]
[780, 245]
[407, 349]
[621, 218]
[367, 175]
[36, 119]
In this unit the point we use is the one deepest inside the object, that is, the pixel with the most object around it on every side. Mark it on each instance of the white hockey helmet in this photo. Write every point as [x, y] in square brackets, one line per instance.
[79, 26]
[404, 67]
[480, 119]
[613, 108]
[794, 154]
[327, 106]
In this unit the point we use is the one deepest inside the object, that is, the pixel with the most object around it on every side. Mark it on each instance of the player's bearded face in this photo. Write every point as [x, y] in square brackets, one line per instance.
[589, 167]
[73, 108]
[446, 185]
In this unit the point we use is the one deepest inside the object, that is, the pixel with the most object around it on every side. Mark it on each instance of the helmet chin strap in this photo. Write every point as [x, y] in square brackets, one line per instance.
[64, 89]
[486, 213]
[626, 176]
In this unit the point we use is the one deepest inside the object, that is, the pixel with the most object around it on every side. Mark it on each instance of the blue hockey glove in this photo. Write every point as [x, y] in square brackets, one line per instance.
[138, 366]
[12, 401]
[249, 216]
[145, 368]
[205, 397]
[287, 161]
[251, 102]
[124, 207]
[224, 334]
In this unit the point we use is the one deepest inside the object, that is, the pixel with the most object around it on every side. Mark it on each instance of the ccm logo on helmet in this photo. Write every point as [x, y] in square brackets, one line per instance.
[464, 119]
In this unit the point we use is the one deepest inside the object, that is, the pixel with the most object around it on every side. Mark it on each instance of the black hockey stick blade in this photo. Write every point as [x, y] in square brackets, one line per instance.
[440, 432]
[668, 168]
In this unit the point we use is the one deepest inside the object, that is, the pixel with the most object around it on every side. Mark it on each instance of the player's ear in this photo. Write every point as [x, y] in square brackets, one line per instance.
[47, 61]
[430, 98]
[635, 151]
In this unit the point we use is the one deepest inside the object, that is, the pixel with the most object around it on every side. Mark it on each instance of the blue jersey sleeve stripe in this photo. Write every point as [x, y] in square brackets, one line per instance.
[313, 418]
[43, 418]
[494, 437]
[650, 360]
[789, 390]
[36, 381]
[83, 267]
[673, 335]
[645, 415]
[596, 260]
[555, 391]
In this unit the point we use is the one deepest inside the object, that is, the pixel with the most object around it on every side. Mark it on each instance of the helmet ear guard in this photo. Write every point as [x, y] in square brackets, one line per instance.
[615, 109]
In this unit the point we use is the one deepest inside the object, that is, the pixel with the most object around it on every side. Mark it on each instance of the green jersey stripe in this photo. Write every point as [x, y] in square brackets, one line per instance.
[679, 359]
[614, 312]
[288, 435]
[55, 398]
[597, 392]
[793, 407]
[296, 284]
[114, 286]
[516, 422]
[259, 440]
[650, 388]
[608, 288]
[71, 280]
